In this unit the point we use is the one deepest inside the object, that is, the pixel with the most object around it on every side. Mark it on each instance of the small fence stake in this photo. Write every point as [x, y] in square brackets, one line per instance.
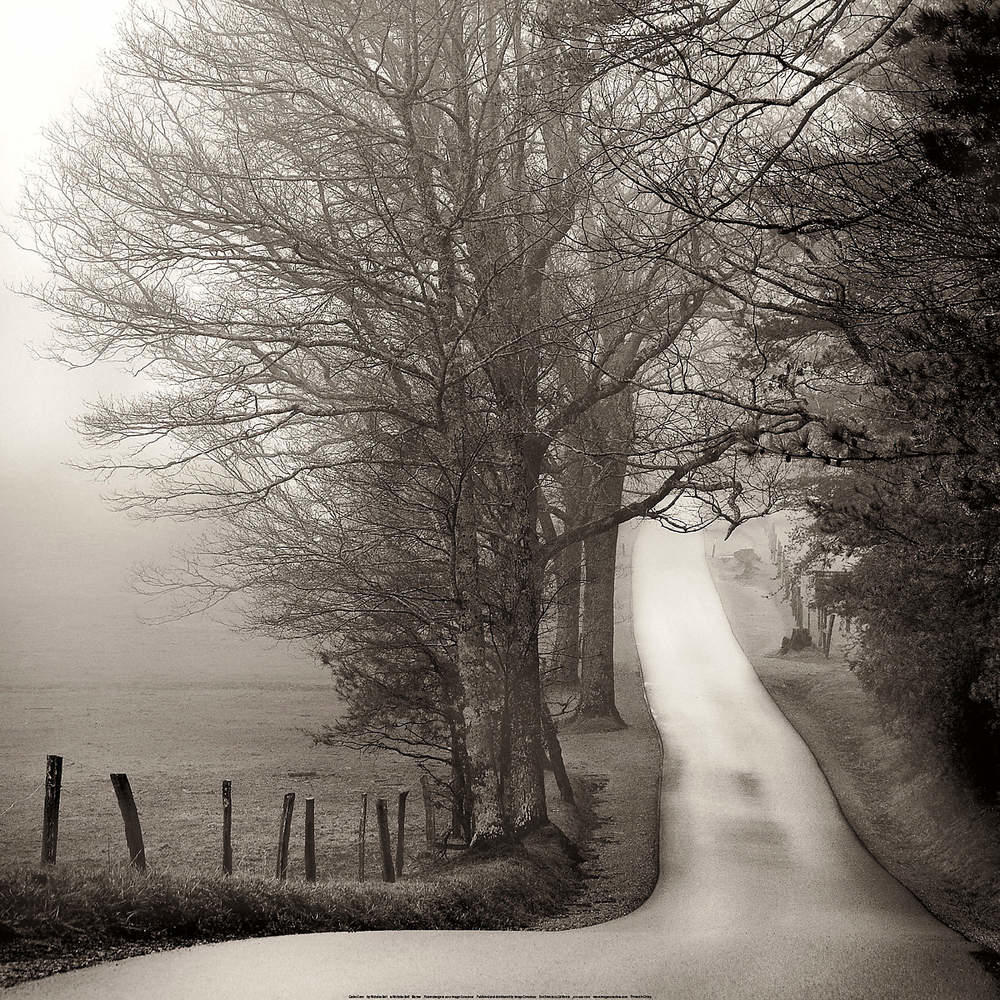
[50, 816]
[227, 828]
[310, 840]
[284, 834]
[362, 832]
[430, 834]
[400, 831]
[382, 815]
[130, 815]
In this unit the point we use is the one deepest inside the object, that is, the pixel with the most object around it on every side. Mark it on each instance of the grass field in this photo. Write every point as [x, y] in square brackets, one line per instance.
[209, 706]
[178, 706]
[177, 743]
[179, 735]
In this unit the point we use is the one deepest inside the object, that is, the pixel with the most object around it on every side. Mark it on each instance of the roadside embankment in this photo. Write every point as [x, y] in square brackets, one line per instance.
[619, 775]
[915, 816]
[51, 921]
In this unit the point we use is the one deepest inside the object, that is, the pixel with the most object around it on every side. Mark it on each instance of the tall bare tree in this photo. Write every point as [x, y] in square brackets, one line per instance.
[320, 226]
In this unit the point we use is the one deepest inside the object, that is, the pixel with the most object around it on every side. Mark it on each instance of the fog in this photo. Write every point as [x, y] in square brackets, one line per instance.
[68, 615]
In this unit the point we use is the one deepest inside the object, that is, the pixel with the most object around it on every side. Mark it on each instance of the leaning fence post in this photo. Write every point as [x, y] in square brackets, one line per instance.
[50, 816]
[227, 828]
[362, 831]
[130, 815]
[281, 868]
[400, 831]
[430, 834]
[310, 860]
[382, 815]
[829, 636]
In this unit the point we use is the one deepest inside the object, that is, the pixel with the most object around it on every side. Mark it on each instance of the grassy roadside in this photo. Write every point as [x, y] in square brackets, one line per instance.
[619, 799]
[604, 865]
[83, 913]
[67, 918]
[620, 774]
[921, 823]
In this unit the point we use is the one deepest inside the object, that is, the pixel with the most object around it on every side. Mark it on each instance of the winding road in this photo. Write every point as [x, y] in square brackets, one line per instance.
[764, 890]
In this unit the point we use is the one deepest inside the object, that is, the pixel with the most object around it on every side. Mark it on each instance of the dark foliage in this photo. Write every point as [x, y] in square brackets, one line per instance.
[921, 305]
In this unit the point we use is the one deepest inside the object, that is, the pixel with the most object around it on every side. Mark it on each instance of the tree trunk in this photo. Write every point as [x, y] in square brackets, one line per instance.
[597, 668]
[482, 687]
[518, 597]
[458, 785]
[569, 580]
[553, 750]
[525, 799]
[568, 571]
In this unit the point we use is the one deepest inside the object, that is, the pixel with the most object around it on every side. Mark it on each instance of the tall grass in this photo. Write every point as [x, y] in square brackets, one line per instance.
[91, 912]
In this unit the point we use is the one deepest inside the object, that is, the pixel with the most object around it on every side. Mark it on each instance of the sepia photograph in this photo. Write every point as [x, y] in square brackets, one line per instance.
[500, 500]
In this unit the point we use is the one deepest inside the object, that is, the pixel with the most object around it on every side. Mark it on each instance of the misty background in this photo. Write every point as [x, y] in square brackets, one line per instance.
[70, 621]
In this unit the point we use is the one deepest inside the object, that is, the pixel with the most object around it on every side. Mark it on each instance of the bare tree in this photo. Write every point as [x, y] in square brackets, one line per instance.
[322, 227]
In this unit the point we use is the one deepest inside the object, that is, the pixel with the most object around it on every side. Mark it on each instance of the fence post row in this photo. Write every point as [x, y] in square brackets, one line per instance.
[362, 832]
[130, 816]
[310, 853]
[430, 834]
[227, 828]
[50, 816]
[382, 816]
[285, 832]
[137, 850]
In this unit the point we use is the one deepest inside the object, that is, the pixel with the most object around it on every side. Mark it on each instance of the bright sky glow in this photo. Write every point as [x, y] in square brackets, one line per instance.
[67, 613]
[49, 54]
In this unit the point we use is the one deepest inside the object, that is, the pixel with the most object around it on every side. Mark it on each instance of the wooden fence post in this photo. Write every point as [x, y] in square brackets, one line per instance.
[50, 815]
[362, 832]
[227, 828]
[310, 840]
[130, 815]
[400, 831]
[430, 834]
[828, 638]
[281, 867]
[382, 815]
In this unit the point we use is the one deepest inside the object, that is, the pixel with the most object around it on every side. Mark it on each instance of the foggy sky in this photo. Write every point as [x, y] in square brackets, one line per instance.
[67, 610]
[49, 54]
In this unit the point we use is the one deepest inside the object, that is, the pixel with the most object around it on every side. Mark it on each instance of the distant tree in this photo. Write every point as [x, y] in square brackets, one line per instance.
[355, 562]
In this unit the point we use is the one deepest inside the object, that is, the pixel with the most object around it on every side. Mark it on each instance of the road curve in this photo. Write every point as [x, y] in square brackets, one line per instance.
[764, 890]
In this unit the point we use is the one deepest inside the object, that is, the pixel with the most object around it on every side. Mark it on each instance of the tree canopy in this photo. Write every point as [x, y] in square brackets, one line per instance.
[431, 293]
